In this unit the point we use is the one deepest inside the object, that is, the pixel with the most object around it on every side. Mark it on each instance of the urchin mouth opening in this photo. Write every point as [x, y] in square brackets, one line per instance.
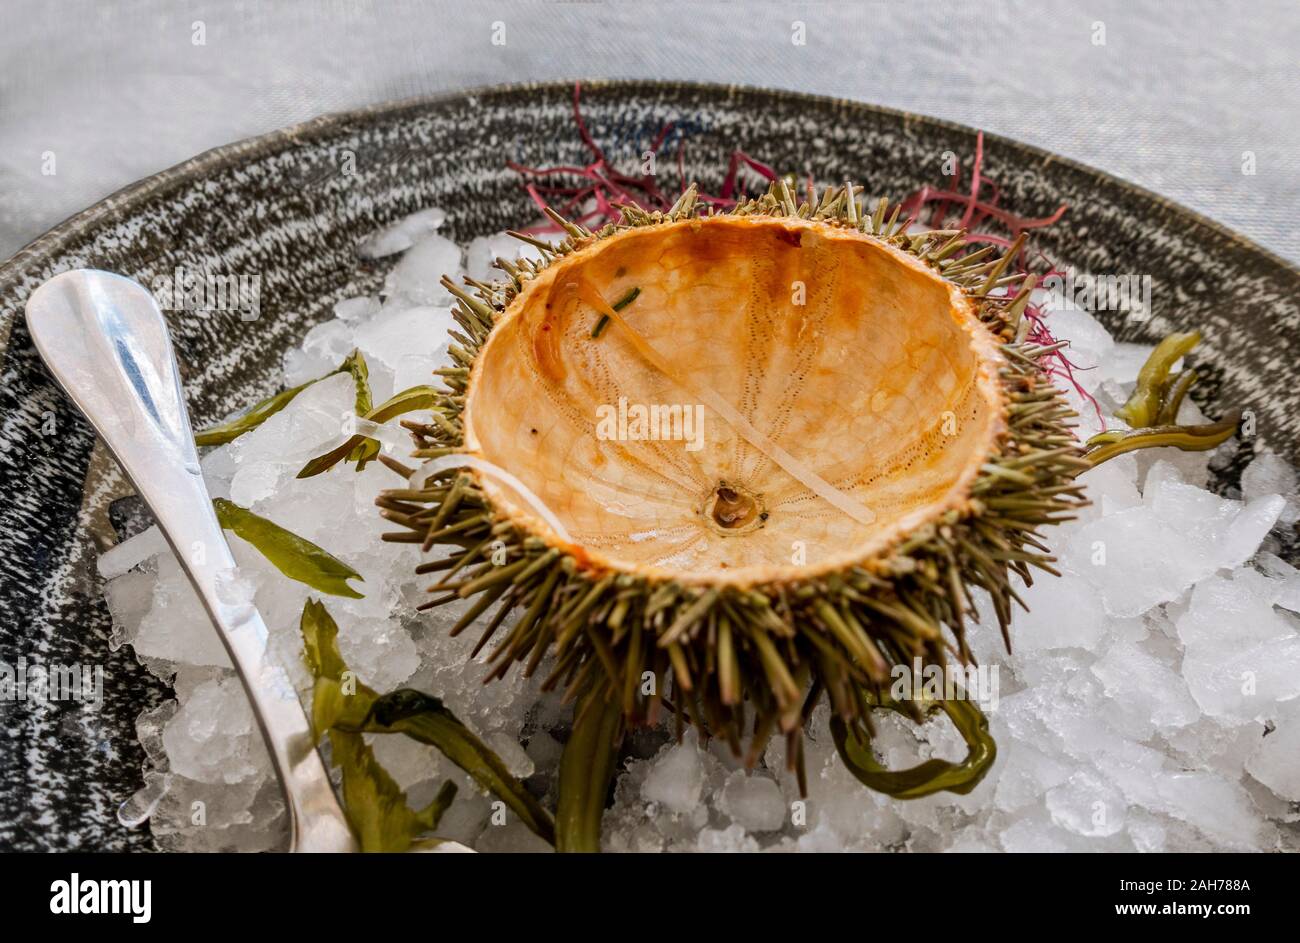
[732, 510]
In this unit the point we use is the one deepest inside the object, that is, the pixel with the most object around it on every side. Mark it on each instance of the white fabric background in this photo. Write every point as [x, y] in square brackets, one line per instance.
[1179, 91]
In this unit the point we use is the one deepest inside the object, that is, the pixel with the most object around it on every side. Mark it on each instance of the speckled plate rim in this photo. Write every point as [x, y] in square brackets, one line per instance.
[22, 272]
[122, 202]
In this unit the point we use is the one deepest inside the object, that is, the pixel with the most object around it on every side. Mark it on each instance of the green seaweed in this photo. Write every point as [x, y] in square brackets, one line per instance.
[361, 448]
[376, 807]
[294, 556]
[257, 414]
[619, 305]
[1143, 407]
[1188, 438]
[341, 703]
[586, 769]
[931, 776]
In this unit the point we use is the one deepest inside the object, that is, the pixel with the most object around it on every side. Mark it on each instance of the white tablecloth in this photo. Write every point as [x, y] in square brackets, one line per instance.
[1179, 98]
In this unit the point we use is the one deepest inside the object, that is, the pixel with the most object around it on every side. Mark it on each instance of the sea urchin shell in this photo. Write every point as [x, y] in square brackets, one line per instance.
[878, 443]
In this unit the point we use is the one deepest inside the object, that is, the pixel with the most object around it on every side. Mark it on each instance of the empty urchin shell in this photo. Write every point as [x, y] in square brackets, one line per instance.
[772, 453]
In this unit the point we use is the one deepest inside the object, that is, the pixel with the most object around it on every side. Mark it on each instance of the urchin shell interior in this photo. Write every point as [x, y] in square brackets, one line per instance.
[847, 352]
[898, 333]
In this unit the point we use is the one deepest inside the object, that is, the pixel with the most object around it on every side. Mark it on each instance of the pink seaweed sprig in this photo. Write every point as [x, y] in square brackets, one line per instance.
[976, 209]
[592, 194]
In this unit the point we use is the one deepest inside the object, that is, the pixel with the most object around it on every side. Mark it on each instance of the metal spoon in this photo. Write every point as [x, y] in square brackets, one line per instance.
[106, 343]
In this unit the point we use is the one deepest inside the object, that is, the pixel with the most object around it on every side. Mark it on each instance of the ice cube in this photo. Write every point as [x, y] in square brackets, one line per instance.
[1090, 343]
[1268, 473]
[301, 367]
[328, 342]
[381, 653]
[1192, 468]
[408, 761]
[1134, 560]
[131, 552]
[213, 738]
[357, 310]
[1147, 833]
[1243, 684]
[1275, 760]
[514, 837]
[205, 817]
[1031, 836]
[416, 277]
[1063, 613]
[1111, 486]
[413, 340]
[1143, 556]
[732, 839]
[753, 802]
[218, 467]
[1249, 528]
[402, 235]
[506, 745]
[485, 250]
[177, 628]
[129, 599]
[1027, 773]
[820, 840]
[1288, 593]
[1143, 694]
[676, 778]
[1219, 809]
[1242, 655]
[256, 481]
[1230, 610]
[1087, 805]
[313, 418]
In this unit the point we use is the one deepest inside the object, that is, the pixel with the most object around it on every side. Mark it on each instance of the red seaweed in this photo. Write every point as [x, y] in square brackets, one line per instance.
[592, 194]
[987, 223]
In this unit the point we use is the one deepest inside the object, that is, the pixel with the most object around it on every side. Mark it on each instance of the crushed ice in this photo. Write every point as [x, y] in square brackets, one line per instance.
[1150, 703]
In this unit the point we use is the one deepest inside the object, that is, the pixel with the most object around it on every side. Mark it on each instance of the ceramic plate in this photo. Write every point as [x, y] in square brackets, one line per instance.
[291, 207]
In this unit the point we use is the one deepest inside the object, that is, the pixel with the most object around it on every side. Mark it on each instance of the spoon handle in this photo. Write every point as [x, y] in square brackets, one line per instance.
[106, 343]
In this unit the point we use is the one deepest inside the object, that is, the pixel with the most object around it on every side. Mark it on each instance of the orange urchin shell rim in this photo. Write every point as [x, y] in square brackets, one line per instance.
[874, 555]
